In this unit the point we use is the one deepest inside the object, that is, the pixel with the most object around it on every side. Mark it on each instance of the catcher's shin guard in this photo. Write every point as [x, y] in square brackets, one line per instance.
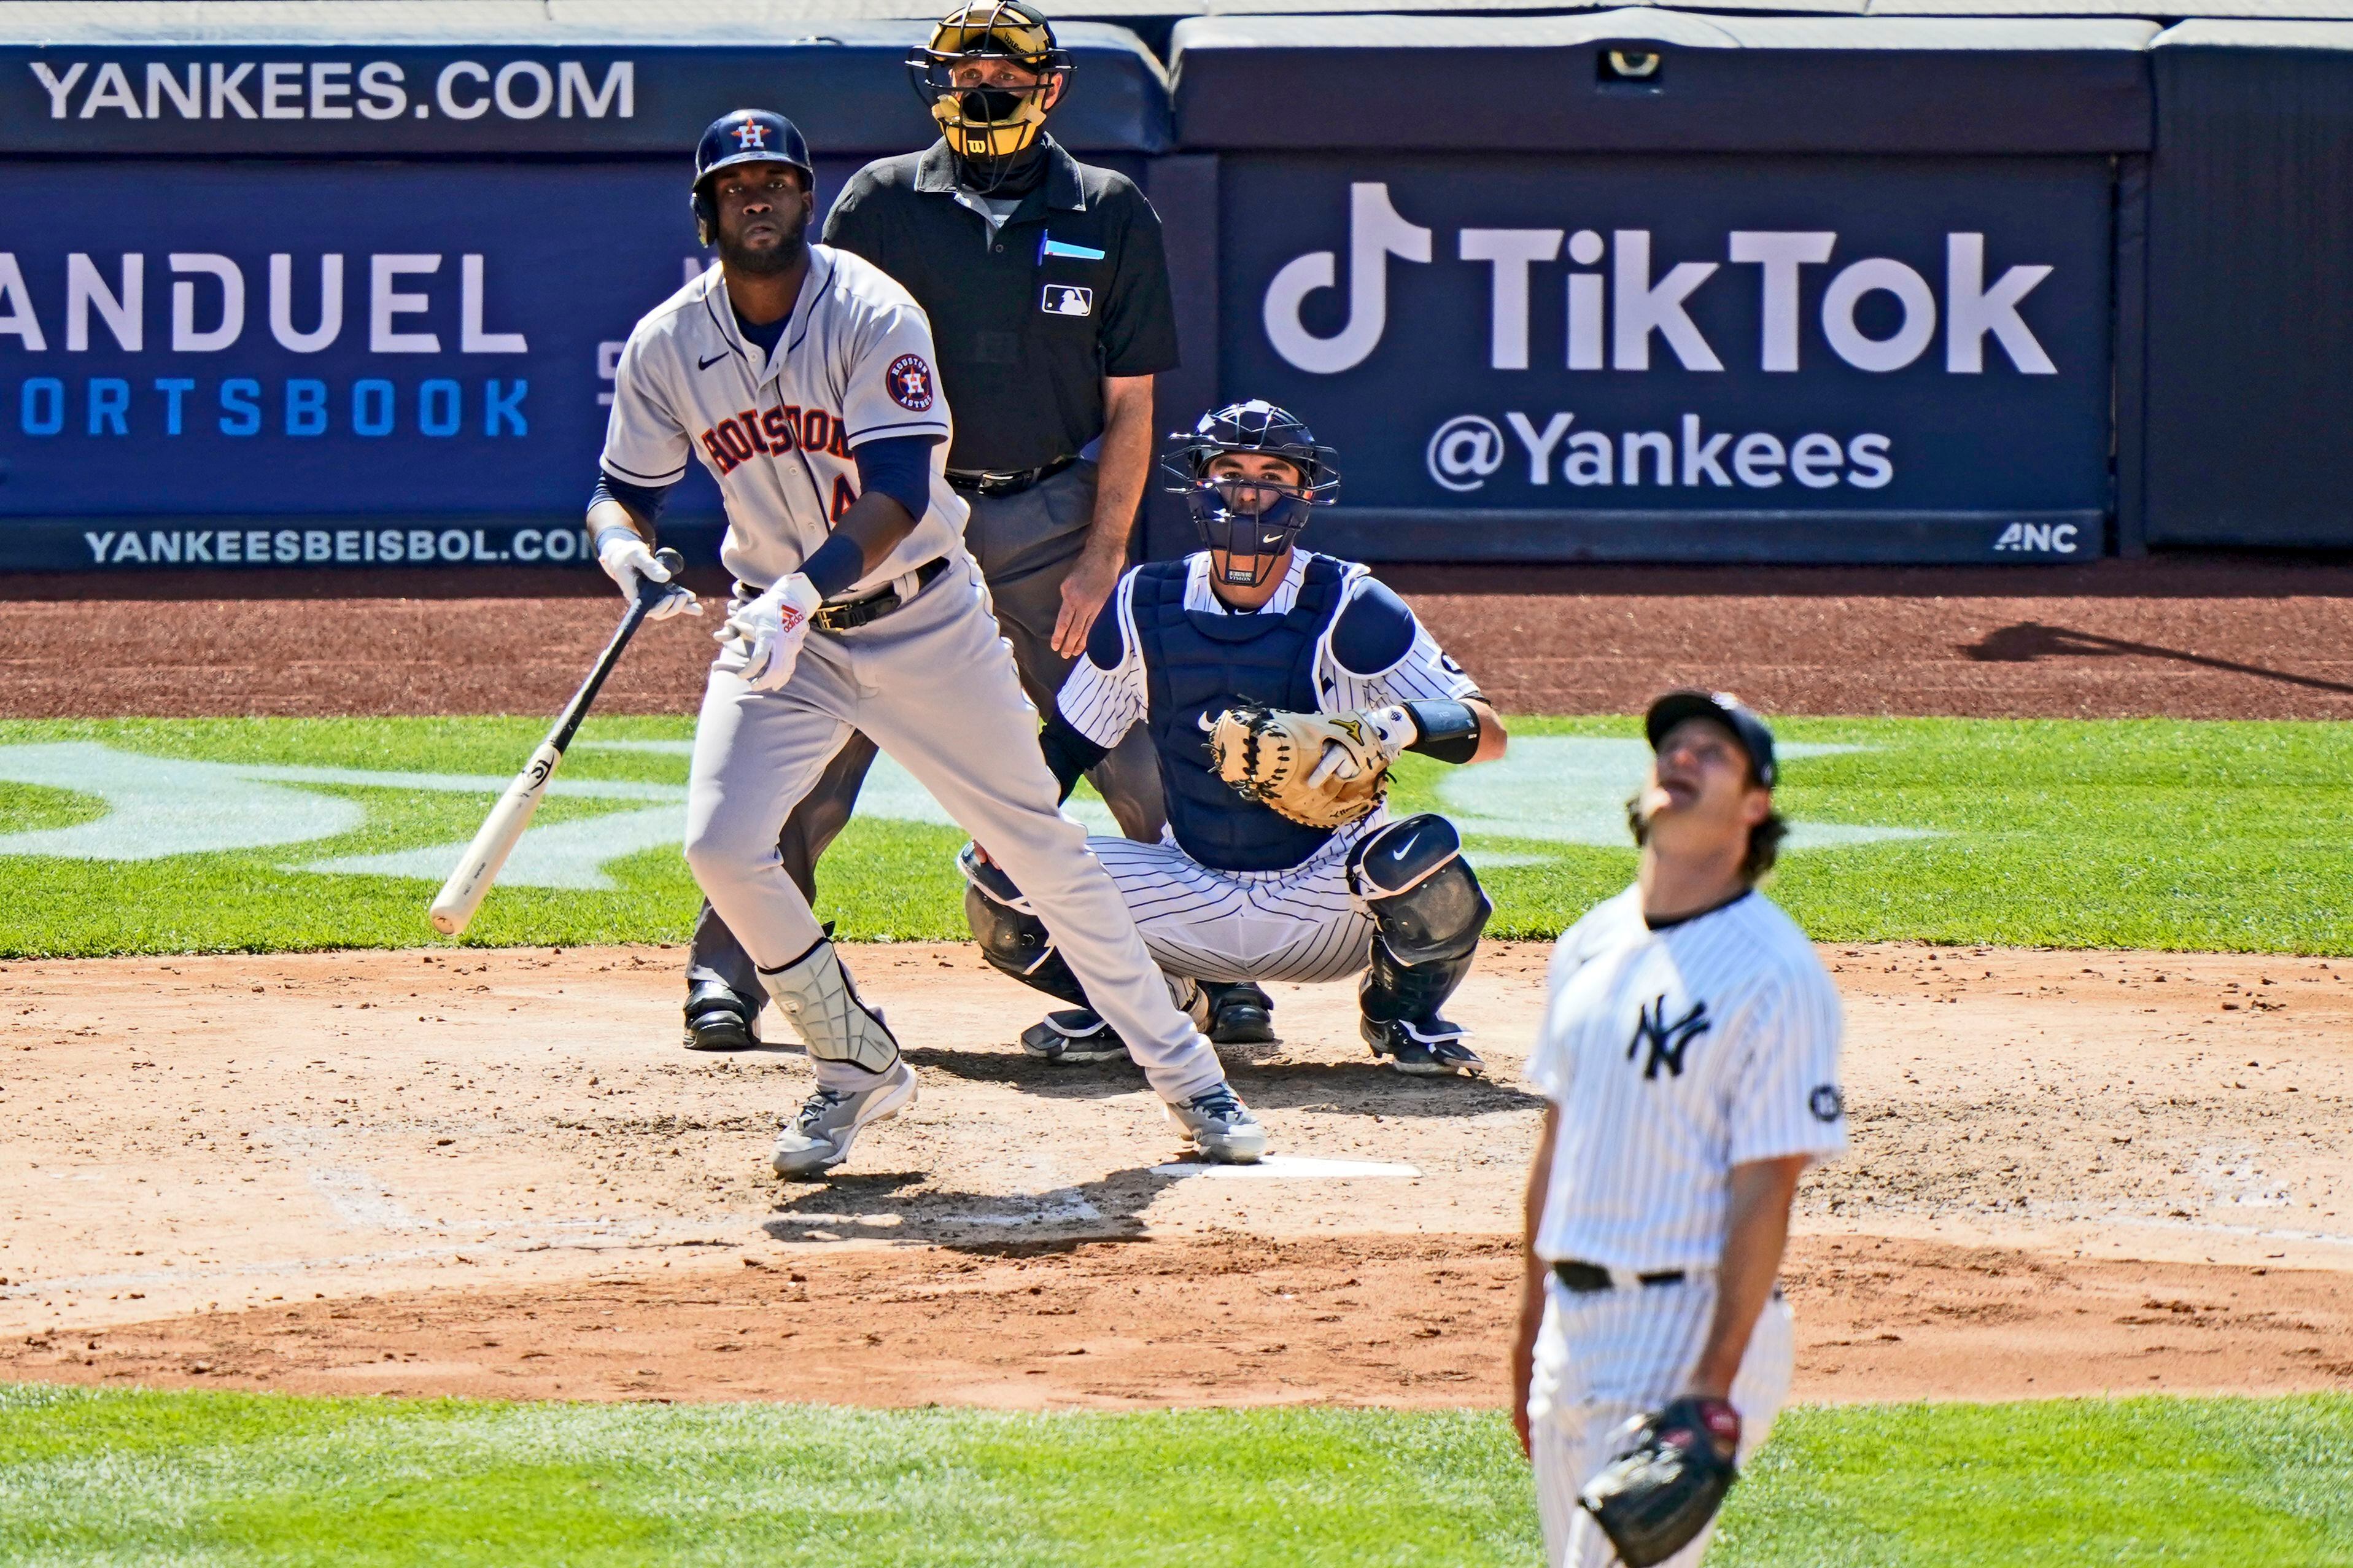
[1422, 893]
[1011, 936]
[820, 1003]
[1429, 910]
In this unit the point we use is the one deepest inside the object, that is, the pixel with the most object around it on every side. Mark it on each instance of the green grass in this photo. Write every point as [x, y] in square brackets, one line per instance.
[2150, 834]
[134, 1477]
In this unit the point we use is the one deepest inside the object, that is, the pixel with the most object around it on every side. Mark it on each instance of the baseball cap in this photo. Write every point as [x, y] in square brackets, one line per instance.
[1725, 709]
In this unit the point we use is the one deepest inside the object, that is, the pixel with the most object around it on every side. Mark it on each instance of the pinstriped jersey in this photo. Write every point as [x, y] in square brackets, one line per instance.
[855, 363]
[1108, 690]
[1675, 1055]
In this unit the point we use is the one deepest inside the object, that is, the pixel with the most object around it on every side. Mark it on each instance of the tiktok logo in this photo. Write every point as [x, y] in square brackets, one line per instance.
[1376, 233]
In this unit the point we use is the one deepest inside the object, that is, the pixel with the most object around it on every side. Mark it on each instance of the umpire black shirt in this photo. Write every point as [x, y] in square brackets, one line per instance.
[1073, 287]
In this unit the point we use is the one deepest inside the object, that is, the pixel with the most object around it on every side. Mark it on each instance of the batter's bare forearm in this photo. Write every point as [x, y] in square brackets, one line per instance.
[1123, 462]
[613, 515]
[1762, 1192]
[877, 525]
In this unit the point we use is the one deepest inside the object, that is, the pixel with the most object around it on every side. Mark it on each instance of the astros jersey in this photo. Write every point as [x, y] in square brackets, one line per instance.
[1377, 653]
[854, 364]
[1673, 1055]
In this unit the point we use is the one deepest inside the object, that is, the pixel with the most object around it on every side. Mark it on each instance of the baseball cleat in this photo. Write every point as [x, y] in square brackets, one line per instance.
[1074, 1035]
[1430, 1047]
[1217, 1120]
[819, 1138]
[719, 1020]
[1241, 1015]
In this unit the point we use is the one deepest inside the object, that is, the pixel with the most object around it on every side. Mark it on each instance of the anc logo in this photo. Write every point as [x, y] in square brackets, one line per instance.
[910, 381]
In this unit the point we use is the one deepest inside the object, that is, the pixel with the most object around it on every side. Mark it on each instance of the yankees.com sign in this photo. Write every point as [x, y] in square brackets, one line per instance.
[1690, 334]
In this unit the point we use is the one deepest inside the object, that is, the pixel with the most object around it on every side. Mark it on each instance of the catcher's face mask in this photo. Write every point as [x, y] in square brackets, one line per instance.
[1249, 508]
[990, 74]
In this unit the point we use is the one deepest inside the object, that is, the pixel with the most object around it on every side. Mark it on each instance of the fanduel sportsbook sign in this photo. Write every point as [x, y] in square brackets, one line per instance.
[1691, 334]
[242, 364]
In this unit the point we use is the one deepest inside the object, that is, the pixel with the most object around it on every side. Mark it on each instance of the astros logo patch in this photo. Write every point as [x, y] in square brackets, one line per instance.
[751, 134]
[910, 381]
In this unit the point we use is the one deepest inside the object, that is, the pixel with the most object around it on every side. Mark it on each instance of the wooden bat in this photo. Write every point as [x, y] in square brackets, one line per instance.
[479, 867]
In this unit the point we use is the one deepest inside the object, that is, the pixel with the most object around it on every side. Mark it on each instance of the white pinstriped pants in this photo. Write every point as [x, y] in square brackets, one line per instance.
[1297, 924]
[1605, 1356]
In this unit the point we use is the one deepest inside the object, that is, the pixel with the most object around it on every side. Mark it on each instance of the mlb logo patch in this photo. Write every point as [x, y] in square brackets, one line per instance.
[1067, 299]
[910, 382]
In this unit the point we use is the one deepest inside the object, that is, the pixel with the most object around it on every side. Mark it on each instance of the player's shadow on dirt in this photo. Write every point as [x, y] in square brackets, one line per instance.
[2030, 640]
[897, 1206]
[1342, 1088]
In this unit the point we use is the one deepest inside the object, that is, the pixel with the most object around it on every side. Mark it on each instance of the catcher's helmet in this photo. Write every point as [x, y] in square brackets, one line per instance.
[988, 124]
[743, 136]
[1250, 520]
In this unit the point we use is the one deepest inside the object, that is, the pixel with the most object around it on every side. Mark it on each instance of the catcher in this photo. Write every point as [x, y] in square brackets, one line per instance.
[1277, 687]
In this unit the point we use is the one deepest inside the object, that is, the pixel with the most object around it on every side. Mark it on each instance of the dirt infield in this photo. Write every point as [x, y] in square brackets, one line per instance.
[494, 1172]
[2186, 638]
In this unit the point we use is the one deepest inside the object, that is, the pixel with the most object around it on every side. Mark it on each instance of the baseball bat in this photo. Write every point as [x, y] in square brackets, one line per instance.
[479, 867]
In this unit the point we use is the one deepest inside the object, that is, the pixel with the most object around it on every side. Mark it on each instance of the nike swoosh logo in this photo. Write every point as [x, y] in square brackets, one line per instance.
[707, 363]
[1402, 850]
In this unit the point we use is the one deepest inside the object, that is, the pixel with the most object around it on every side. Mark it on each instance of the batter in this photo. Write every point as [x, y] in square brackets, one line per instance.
[802, 377]
[1690, 1050]
[1236, 892]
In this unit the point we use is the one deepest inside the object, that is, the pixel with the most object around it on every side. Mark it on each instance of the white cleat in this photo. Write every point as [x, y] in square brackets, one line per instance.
[1217, 1120]
[819, 1138]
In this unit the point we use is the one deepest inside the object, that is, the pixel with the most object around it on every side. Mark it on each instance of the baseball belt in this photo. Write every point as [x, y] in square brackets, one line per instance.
[851, 614]
[1585, 1278]
[1006, 482]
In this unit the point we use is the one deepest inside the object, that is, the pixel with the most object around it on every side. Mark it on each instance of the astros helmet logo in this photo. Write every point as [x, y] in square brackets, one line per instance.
[751, 134]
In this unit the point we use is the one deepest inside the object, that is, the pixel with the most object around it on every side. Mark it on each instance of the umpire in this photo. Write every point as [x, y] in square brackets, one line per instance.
[1048, 291]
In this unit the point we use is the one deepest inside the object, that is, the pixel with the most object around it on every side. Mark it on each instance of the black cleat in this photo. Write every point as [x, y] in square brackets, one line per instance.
[719, 1020]
[1429, 1047]
[1241, 1015]
[1074, 1035]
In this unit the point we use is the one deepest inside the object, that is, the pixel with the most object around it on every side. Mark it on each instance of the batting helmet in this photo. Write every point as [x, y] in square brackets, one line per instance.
[989, 123]
[1250, 520]
[743, 136]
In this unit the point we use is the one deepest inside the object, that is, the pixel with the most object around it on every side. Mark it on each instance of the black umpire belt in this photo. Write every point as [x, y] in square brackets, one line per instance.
[1005, 481]
[1584, 1278]
[858, 612]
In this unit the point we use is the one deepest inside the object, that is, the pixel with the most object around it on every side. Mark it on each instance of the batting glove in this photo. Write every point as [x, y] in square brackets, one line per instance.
[772, 629]
[1390, 729]
[630, 563]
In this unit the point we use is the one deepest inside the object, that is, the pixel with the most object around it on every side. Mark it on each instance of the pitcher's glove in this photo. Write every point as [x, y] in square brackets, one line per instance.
[1324, 769]
[1668, 1477]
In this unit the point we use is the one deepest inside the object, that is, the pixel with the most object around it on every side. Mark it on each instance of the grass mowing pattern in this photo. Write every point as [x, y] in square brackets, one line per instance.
[2135, 834]
[90, 1477]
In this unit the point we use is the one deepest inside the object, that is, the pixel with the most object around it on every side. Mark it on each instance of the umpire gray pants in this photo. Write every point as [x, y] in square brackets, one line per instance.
[1026, 545]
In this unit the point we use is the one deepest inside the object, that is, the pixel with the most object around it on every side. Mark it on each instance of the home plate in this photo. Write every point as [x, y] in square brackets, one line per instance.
[1286, 1168]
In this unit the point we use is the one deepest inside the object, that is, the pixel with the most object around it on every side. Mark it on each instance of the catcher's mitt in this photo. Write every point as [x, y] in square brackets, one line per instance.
[1269, 757]
[1667, 1482]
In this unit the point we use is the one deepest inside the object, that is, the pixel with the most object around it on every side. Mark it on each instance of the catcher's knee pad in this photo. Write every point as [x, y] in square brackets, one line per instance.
[816, 998]
[1424, 896]
[1011, 936]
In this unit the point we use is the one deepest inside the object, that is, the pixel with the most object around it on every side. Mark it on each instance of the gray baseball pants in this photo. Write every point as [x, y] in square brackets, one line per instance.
[933, 685]
[1025, 545]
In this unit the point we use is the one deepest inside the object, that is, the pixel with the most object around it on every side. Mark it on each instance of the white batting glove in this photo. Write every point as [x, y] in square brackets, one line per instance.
[629, 563]
[1392, 729]
[772, 629]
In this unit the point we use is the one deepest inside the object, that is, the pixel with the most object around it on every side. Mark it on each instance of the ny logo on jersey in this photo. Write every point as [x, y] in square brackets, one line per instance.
[751, 134]
[1668, 1042]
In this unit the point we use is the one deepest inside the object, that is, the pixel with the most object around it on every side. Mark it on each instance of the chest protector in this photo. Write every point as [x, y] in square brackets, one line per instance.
[1197, 664]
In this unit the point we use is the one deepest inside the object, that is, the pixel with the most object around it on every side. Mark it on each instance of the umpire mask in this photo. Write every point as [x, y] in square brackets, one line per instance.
[988, 123]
